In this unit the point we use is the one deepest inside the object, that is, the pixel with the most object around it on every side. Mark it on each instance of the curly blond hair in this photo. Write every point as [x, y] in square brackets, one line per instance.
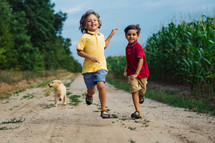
[83, 20]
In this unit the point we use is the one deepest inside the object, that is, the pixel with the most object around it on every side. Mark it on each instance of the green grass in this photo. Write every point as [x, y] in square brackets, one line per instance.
[114, 116]
[171, 98]
[28, 96]
[74, 100]
[6, 128]
[132, 128]
[12, 121]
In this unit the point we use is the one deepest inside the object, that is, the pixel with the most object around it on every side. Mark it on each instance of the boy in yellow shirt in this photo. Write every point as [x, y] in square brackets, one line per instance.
[91, 46]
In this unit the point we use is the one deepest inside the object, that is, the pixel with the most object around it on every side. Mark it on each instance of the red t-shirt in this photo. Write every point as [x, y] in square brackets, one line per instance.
[134, 52]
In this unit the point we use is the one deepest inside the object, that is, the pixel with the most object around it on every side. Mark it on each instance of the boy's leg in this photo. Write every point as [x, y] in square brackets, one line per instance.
[135, 98]
[137, 113]
[102, 98]
[90, 92]
[89, 81]
[102, 94]
[142, 82]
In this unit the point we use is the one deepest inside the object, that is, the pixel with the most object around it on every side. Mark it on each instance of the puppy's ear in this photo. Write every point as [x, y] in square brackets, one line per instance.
[59, 81]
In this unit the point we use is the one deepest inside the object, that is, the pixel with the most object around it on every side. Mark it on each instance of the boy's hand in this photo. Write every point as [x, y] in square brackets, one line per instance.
[114, 30]
[133, 76]
[94, 59]
[125, 74]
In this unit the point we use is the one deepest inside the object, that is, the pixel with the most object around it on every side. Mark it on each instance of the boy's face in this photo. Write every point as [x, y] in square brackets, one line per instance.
[132, 36]
[92, 23]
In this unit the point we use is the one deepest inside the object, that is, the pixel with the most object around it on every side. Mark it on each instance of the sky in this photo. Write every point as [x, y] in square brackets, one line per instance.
[149, 14]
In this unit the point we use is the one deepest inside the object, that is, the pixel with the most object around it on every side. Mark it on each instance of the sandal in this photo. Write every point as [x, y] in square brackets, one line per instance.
[105, 114]
[136, 115]
[89, 99]
[141, 99]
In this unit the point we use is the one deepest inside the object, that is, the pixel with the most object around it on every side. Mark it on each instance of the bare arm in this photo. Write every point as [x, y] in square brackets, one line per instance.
[107, 41]
[125, 72]
[85, 55]
[140, 64]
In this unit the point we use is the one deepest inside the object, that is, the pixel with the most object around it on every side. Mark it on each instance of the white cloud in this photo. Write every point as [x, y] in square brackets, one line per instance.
[74, 9]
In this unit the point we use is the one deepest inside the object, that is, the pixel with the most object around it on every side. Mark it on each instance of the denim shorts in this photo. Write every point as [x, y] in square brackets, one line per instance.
[91, 79]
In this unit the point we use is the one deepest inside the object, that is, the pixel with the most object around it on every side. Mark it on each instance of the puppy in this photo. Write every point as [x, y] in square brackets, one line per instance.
[60, 91]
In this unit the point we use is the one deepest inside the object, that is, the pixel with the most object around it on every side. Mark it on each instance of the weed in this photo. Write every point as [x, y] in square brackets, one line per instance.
[28, 96]
[123, 119]
[114, 116]
[19, 90]
[68, 93]
[6, 96]
[74, 100]
[131, 141]
[6, 128]
[13, 121]
[132, 128]
[96, 111]
[47, 93]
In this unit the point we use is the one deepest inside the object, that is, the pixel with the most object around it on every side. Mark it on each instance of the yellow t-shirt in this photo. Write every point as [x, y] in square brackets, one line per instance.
[93, 44]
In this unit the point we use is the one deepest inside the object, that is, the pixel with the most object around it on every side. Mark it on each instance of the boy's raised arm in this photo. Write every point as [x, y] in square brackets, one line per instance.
[107, 41]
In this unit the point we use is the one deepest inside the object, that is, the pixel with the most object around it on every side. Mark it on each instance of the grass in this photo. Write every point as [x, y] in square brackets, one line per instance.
[68, 84]
[12, 121]
[114, 116]
[6, 128]
[132, 128]
[11, 78]
[131, 141]
[74, 100]
[28, 96]
[171, 98]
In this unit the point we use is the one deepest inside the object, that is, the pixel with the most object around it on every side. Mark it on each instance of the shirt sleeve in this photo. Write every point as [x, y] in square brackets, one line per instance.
[81, 44]
[140, 52]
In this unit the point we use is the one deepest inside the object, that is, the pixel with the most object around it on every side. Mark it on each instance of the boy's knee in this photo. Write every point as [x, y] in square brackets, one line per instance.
[100, 85]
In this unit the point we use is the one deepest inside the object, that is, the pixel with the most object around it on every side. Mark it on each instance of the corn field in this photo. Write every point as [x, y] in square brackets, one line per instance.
[180, 53]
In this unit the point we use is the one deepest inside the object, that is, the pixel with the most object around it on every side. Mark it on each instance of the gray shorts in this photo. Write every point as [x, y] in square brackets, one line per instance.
[91, 79]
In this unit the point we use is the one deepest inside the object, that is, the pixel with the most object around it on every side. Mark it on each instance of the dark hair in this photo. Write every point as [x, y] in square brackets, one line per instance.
[84, 17]
[135, 27]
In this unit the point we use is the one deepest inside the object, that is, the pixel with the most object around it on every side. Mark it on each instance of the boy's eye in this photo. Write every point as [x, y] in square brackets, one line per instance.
[131, 34]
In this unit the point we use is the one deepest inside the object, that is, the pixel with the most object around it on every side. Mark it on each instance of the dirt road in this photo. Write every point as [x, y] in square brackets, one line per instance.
[29, 117]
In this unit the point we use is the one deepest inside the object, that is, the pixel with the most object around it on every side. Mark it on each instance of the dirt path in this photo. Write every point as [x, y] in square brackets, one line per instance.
[43, 123]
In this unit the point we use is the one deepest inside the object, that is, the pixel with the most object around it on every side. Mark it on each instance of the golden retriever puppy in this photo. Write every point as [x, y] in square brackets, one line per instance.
[60, 91]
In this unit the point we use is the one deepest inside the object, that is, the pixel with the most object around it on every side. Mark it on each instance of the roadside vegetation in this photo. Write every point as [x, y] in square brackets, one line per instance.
[32, 47]
[30, 37]
[182, 54]
[18, 81]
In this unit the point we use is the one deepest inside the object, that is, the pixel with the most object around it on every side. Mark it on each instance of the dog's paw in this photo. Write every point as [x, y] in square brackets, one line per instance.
[55, 105]
[64, 104]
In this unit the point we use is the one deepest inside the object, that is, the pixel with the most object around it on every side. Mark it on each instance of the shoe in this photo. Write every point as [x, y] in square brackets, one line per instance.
[141, 99]
[136, 115]
[105, 114]
[89, 99]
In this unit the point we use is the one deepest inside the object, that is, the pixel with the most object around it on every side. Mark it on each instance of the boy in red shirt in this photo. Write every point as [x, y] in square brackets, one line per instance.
[136, 68]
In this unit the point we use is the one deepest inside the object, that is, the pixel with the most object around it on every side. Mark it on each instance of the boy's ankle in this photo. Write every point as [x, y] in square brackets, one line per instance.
[138, 112]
